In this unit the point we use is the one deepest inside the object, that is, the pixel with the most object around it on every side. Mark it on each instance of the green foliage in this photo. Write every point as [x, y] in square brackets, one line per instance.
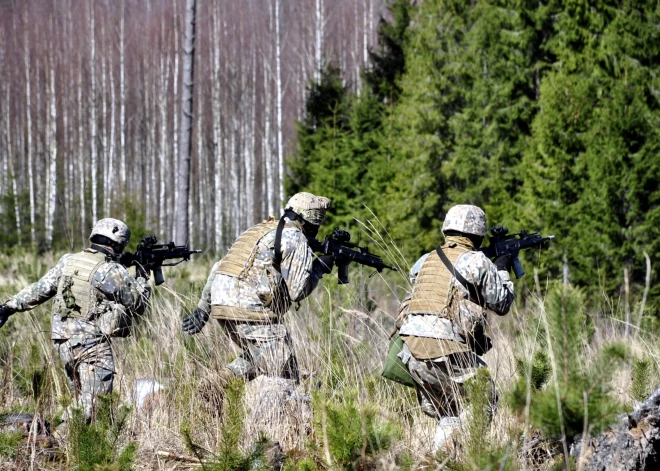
[98, 445]
[479, 452]
[351, 429]
[643, 376]
[229, 457]
[577, 394]
[10, 443]
[545, 114]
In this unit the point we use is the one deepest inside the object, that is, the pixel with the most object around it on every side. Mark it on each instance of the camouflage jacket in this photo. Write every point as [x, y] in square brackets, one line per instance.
[495, 287]
[118, 293]
[299, 275]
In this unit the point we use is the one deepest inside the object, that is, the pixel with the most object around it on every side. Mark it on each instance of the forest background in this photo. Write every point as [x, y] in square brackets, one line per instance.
[545, 114]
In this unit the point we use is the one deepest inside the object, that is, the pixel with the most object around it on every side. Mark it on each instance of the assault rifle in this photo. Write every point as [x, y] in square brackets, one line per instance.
[150, 256]
[503, 243]
[344, 252]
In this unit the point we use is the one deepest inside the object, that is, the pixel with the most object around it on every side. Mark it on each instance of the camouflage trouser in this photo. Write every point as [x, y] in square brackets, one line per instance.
[90, 369]
[440, 384]
[266, 350]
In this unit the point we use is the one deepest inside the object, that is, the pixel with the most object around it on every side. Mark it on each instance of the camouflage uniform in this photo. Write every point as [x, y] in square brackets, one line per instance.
[264, 340]
[442, 349]
[82, 340]
[250, 289]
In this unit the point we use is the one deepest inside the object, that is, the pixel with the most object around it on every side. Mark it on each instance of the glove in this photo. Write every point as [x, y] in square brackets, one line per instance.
[326, 262]
[195, 322]
[5, 312]
[504, 262]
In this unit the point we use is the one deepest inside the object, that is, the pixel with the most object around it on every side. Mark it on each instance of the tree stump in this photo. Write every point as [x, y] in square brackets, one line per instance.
[633, 444]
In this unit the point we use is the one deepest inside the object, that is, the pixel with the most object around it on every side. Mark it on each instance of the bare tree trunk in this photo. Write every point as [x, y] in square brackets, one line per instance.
[162, 147]
[92, 112]
[217, 154]
[81, 158]
[10, 164]
[122, 103]
[28, 129]
[52, 148]
[111, 149]
[104, 127]
[280, 145]
[181, 212]
[175, 102]
[318, 48]
[269, 192]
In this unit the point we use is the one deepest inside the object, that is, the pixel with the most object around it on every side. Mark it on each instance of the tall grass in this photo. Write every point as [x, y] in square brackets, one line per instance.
[340, 336]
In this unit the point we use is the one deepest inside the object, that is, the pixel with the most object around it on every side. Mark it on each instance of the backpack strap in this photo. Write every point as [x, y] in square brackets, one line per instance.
[472, 289]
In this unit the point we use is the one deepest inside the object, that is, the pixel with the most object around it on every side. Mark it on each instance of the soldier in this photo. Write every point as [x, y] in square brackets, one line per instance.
[95, 299]
[269, 267]
[444, 319]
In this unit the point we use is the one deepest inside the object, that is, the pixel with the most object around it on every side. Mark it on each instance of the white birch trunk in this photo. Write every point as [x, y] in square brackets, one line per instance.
[181, 213]
[93, 131]
[52, 150]
[81, 156]
[122, 103]
[175, 103]
[162, 146]
[217, 152]
[318, 44]
[280, 144]
[10, 164]
[28, 129]
[269, 196]
[111, 147]
[104, 128]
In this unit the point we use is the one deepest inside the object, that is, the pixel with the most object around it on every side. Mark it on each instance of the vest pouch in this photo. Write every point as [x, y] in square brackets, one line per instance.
[115, 321]
[393, 368]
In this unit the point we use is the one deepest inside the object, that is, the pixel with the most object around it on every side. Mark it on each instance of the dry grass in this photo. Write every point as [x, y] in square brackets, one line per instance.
[340, 336]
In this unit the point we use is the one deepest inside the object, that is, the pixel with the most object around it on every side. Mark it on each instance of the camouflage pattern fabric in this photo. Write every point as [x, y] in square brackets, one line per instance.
[266, 350]
[84, 344]
[440, 384]
[465, 218]
[300, 274]
[312, 208]
[113, 229]
[440, 381]
[495, 287]
[90, 369]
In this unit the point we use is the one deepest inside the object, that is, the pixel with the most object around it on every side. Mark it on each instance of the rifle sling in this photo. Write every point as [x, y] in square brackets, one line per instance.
[278, 235]
[472, 289]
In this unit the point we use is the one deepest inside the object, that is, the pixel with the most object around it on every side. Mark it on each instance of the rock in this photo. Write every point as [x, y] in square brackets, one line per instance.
[278, 409]
[633, 444]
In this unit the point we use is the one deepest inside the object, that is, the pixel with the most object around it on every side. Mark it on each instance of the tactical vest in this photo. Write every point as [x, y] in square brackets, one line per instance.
[431, 293]
[75, 291]
[237, 263]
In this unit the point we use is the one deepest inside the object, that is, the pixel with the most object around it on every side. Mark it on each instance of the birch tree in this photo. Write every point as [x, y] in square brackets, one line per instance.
[93, 131]
[181, 213]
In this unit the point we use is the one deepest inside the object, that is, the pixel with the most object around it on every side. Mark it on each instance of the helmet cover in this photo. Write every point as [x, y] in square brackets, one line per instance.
[465, 218]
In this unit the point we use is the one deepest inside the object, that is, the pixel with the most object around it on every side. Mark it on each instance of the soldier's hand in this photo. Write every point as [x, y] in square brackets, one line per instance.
[326, 262]
[5, 312]
[504, 262]
[195, 322]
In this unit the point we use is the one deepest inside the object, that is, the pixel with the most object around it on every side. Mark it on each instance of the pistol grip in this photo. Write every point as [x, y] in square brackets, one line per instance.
[517, 267]
[159, 279]
[342, 273]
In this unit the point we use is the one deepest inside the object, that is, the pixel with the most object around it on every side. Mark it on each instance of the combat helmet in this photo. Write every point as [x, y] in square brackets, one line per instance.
[465, 218]
[310, 207]
[112, 229]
